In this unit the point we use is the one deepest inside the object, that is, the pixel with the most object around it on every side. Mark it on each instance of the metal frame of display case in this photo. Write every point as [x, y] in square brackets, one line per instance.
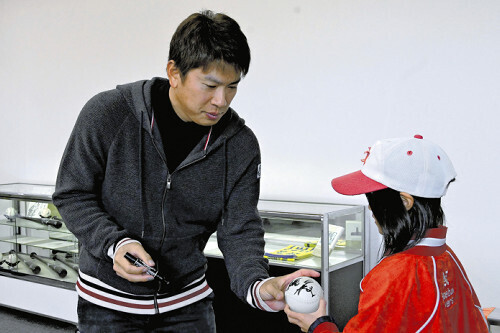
[34, 293]
[321, 218]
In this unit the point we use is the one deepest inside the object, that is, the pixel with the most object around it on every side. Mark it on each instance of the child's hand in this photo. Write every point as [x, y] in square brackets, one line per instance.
[305, 320]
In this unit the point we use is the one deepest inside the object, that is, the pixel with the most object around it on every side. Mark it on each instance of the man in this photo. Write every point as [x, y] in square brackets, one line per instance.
[153, 168]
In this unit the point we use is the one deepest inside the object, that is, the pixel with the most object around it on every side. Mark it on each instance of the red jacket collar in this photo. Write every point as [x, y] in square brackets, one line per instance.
[433, 243]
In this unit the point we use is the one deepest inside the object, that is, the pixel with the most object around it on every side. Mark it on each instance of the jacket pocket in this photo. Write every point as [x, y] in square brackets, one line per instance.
[183, 257]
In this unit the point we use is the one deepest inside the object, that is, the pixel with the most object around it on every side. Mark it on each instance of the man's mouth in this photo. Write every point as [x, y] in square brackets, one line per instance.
[214, 115]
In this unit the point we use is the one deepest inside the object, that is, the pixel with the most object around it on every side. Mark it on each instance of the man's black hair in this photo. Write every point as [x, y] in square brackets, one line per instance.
[206, 38]
[399, 225]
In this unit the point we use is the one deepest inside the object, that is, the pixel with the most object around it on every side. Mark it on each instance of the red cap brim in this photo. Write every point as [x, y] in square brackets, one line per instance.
[355, 183]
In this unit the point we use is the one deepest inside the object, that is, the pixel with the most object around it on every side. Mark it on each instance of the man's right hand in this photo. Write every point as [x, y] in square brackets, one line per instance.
[127, 270]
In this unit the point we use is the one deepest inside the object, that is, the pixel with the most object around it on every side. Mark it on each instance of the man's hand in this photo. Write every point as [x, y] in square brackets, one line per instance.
[305, 320]
[129, 271]
[273, 291]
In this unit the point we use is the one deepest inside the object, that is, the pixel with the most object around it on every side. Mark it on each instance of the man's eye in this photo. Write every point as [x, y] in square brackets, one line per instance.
[210, 86]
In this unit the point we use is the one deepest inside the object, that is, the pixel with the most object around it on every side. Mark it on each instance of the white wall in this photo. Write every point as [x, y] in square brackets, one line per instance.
[327, 79]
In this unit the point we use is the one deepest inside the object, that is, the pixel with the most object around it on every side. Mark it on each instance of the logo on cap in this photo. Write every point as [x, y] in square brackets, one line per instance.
[367, 154]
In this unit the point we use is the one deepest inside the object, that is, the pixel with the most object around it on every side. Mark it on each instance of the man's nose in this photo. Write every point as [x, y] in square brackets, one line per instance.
[219, 98]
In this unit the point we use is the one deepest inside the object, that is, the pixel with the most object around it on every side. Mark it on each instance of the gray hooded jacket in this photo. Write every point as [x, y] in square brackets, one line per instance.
[113, 183]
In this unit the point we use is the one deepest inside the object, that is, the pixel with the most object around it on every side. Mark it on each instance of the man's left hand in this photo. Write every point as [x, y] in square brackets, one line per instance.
[273, 290]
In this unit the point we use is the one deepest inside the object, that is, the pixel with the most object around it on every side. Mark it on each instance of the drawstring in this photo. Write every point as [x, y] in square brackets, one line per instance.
[141, 143]
[224, 168]
[224, 180]
[152, 120]
[208, 139]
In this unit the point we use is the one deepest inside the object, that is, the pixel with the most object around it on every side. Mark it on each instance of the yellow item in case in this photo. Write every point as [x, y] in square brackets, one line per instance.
[311, 243]
[290, 253]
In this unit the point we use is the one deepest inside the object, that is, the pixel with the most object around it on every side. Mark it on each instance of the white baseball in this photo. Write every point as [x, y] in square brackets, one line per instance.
[10, 212]
[46, 212]
[303, 295]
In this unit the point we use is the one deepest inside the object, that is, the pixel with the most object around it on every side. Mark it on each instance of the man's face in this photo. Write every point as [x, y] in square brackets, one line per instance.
[203, 97]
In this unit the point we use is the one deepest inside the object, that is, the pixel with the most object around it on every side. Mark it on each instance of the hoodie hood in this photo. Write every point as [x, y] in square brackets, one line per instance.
[138, 97]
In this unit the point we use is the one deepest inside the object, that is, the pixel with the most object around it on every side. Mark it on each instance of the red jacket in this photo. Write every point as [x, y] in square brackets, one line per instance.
[423, 289]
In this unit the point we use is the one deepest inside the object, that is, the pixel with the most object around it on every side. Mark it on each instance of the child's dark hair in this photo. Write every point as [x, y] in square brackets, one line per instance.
[398, 225]
[206, 38]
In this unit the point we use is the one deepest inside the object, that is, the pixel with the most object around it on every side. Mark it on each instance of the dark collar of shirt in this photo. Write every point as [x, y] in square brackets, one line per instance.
[178, 137]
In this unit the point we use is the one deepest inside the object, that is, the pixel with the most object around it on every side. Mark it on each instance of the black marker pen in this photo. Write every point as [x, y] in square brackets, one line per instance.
[139, 263]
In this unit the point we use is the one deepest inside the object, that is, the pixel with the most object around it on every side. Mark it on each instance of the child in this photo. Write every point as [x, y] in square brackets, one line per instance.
[419, 285]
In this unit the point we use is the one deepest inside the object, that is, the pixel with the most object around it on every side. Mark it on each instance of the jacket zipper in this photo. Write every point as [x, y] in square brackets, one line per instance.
[168, 187]
[155, 295]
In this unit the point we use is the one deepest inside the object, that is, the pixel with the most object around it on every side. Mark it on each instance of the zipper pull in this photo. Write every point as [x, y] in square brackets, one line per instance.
[169, 181]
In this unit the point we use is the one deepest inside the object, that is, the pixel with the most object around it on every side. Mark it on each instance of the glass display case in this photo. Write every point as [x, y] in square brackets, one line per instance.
[39, 257]
[34, 241]
[325, 237]
[294, 234]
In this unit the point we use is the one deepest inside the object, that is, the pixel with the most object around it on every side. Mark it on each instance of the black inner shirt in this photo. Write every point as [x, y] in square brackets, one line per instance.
[178, 137]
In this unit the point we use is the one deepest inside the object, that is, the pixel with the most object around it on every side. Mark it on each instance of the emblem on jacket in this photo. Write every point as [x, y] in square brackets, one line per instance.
[447, 295]
[445, 279]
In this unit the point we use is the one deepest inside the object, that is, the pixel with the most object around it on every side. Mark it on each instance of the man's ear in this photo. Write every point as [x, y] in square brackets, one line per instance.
[173, 73]
[407, 200]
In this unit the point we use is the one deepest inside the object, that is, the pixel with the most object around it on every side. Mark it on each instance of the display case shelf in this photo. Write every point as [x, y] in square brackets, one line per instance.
[39, 261]
[27, 237]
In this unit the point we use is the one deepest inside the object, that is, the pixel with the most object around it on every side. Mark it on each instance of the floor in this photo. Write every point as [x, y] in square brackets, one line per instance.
[14, 321]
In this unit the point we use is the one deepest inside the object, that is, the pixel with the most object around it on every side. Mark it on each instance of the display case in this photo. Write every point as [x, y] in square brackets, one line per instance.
[38, 254]
[39, 264]
[328, 238]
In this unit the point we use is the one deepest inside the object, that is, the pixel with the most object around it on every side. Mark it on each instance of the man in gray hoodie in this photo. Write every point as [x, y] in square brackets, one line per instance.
[152, 169]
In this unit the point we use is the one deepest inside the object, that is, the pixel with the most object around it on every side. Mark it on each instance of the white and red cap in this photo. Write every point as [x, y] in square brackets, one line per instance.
[415, 166]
